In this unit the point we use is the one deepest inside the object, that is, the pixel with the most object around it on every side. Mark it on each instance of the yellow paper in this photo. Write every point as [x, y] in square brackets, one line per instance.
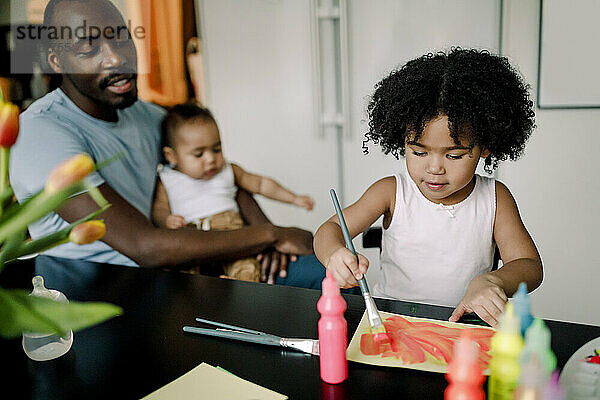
[210, 383]
[431, 363]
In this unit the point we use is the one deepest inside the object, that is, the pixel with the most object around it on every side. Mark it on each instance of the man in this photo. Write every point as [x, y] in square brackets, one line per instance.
[96, 111]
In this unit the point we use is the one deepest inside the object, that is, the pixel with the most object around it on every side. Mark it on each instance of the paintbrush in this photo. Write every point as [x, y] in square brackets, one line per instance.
[377, 328]
[310, 346]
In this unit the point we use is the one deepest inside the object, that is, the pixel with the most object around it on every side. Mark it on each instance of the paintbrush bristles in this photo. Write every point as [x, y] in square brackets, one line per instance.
[380, 335]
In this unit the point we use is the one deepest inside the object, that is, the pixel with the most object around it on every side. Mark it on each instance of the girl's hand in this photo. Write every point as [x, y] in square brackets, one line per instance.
[305, 202]
[175, 221]
[345, 269]
[485, 297]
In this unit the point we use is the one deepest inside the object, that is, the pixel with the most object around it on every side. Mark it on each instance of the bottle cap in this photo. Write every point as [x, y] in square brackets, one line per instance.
[523, 307]
[552, 390]
[464, 366]
[521, 300]
[537, 343]
[509, 323]
[330, 287]
[465, 349]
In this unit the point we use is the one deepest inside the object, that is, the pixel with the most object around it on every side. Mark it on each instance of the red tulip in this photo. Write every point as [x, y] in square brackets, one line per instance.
[87, 232]
[68, 172]
[9, 124]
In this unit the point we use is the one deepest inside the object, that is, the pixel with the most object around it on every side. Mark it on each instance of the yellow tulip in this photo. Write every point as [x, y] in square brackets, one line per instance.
[68, 172]
[9, 124]
[87, 232]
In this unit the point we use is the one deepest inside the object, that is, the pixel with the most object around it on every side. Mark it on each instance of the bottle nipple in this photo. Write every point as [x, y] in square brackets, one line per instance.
[39, 289]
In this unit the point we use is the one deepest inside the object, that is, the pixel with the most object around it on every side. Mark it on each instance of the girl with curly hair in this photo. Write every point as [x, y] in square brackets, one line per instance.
[441, 221]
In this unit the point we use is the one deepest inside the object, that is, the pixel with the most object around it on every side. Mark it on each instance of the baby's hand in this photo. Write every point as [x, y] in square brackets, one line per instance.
[485, 297]
[344, 268]
[304, 202]
[175, 221]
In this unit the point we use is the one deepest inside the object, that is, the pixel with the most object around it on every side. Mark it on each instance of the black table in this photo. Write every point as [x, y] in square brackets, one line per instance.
[134, 354]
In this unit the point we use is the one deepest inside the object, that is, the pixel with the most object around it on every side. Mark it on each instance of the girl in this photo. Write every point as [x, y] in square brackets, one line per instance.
[442, 222]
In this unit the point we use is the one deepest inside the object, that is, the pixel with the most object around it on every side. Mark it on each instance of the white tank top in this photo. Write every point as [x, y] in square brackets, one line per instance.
[430, 252]
[197, 198]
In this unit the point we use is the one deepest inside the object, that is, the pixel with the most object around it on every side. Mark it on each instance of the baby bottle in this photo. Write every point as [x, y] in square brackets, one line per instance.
[44, 346]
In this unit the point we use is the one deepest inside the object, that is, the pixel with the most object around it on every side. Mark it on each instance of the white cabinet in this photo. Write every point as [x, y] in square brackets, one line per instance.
[260, 84]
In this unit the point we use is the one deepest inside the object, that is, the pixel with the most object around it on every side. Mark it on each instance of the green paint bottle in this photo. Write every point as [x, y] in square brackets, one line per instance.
[506, 346]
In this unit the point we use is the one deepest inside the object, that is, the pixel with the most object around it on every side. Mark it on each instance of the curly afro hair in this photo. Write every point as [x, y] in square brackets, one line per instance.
[485, 99]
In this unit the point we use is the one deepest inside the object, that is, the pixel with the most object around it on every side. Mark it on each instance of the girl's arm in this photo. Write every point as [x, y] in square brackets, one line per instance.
[269, 188]
[520, 258]
[487, 293]
[378, 199]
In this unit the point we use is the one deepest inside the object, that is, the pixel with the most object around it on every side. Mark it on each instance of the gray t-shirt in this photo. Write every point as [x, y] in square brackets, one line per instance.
[53, 129]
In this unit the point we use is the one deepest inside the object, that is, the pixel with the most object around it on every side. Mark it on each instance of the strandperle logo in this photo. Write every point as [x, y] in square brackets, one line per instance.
[29, 42]
[81, 32]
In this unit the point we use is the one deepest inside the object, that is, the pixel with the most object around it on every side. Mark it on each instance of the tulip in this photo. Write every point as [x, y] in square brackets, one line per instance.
[87, 232]
[9, 124]
[68, 172]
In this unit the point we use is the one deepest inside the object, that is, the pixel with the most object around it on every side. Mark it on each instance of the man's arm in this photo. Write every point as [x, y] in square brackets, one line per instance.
[130, 233]
[249, 209]
[272, 261]
[160, 205]
[161, 211]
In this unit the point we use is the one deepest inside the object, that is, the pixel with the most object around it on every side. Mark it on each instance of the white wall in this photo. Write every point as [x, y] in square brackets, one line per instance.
[554, 182]
[556, 185]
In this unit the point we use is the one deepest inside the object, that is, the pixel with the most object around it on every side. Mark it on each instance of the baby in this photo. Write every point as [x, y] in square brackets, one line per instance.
[201, 186]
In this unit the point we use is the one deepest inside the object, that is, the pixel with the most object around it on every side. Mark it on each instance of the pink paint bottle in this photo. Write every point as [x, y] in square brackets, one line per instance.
[464, 372]
[333, 336]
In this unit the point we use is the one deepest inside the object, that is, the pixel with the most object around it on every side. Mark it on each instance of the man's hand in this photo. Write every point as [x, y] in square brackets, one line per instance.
[273, 262]
[175, 221]
[485, 297]
[293, 240]
[345, 269]
[305, 202]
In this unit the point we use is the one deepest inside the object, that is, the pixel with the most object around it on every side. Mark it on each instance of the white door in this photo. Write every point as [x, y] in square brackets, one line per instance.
[260, 87]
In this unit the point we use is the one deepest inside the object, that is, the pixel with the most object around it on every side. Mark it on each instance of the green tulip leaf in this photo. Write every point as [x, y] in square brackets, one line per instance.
[20, 312]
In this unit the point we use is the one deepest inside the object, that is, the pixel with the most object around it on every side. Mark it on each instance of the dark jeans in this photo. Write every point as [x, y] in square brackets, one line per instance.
[308, 272]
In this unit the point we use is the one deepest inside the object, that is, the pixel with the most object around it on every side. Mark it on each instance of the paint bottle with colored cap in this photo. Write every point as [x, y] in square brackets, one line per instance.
[537, 343]
[531, 381]
[506, 346]
[523, 307]
[333, 336]
[464, 371]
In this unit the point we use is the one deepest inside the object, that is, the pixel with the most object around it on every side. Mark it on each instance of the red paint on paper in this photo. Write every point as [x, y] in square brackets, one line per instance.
[412, 342]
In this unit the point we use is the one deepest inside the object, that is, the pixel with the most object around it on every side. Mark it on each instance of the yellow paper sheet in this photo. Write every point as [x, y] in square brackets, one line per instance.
[416, 338]
[210, 383]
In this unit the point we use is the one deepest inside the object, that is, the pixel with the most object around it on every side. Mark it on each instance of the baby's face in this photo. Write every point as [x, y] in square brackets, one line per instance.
[442, 170]
[197, 150]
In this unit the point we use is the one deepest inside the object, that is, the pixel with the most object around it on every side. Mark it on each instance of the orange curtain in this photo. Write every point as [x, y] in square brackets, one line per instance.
[160, 52]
